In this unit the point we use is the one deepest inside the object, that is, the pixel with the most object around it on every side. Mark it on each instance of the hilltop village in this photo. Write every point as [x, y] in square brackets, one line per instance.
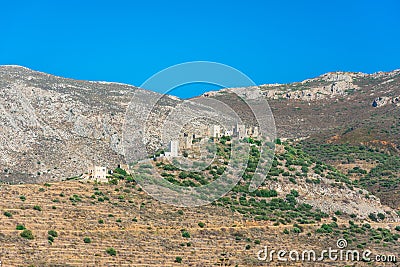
[185, 145]
[188, 140]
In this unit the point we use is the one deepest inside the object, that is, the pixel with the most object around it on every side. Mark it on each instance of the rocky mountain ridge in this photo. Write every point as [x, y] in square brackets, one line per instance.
[53, 127]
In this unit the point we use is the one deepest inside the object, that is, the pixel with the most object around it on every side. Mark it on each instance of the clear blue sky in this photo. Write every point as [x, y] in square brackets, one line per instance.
[270, 41]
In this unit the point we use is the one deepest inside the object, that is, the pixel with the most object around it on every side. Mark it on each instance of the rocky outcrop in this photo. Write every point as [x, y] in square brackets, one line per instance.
[385, 100]
[329, 85]
[53, 128]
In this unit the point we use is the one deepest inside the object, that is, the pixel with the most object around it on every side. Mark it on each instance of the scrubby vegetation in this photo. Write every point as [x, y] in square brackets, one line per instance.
[382, 177]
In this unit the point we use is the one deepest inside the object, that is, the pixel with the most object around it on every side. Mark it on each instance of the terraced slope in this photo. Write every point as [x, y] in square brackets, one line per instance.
[90, 219]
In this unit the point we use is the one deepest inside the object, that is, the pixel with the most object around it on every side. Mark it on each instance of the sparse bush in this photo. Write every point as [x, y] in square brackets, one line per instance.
[27, 234]
[20, 227]
[296, 230]
[381, 216]
[373, 217]
[185, 234]
[38, 208]
[111, 251]
[338, 213]
[295, 193]
[52, 233]
[75, 198]
[113, 181]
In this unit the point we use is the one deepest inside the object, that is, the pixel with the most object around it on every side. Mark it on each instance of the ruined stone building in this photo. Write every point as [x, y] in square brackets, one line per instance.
[98, 173]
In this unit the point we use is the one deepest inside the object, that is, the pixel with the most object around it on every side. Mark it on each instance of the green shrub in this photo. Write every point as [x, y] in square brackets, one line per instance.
[38, 208]
[53, 233]
[27, 234]
[295, 193]
[121, 171]
[296, 230]
[113, 181]
[178, 259]
[201, 224]
[23, 198]
[20, 227]
[87, 240]
[111, 251]
[7, 214]
[373, 217]
[185, 234]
